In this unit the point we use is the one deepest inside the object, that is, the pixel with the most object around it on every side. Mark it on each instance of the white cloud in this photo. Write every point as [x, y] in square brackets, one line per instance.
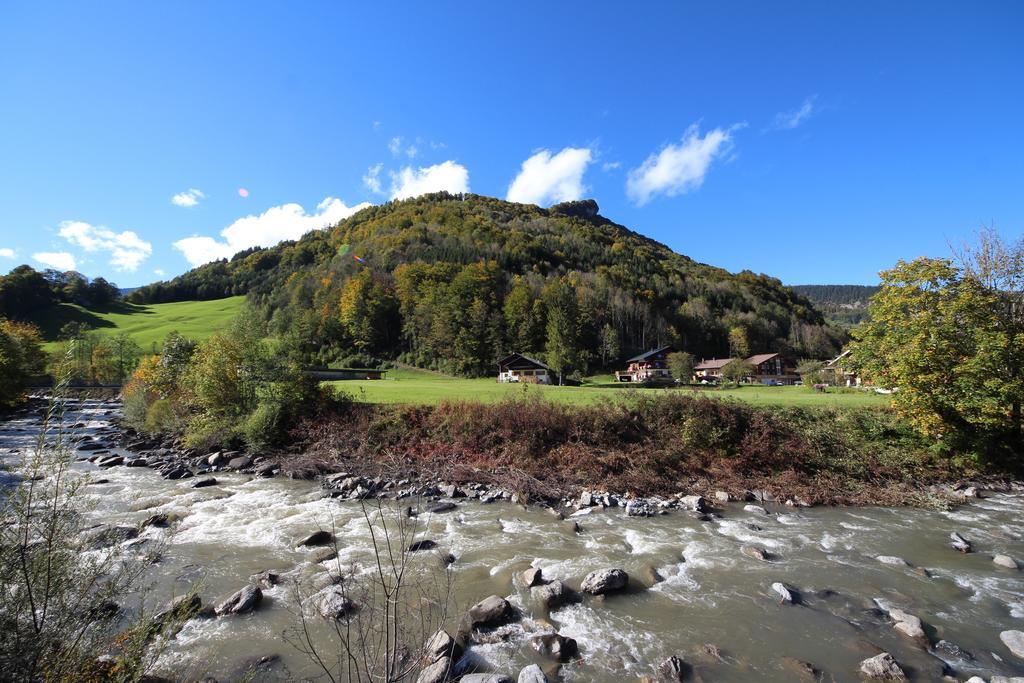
[7, 253]
[610, 165]
[395, 145]
[788, 120]
[411, 151]
[371, 180]
[547, 178]
[127, 250]
[188, 198]
[679, 168]
[61, 260]
[278, 223]
[411, 182]
[159, 272]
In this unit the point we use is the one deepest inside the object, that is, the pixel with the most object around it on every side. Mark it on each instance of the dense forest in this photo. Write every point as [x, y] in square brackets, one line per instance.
[453, 282]
[25, 291]
[843, 305]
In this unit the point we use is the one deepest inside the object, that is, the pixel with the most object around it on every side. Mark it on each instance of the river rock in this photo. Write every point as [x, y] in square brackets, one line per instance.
[110, 461]
[554, 594]
[203, 483]
[159, 520]
[316, 538]
[784, 593]
[604, 581]
[532, 577]
[245, 600]
[266, 579]
[882, 667]
[695, 503]
[892, 559]
[441, 644]
[908, 625]
[639, 508]
[486, 678]
[555, 646]
[332, 603]
[268, 470]
[214, 459]
[181, 607]
[425, 544]
[804, 670]
[240, 462]
[532, 674]
[178, 472]
[755, 552]
[437, 672]
[441, 507]
[491, 612]
[722, 496]
[673, 670]
[1014, 642]
[106, 536]
[136, 462]
[1004, 561]
[322, 555]
[757, 509]
[960, 543]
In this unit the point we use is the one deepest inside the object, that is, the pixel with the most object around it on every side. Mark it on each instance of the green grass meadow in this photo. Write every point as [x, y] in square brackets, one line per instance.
[428, 388]
[147, 324]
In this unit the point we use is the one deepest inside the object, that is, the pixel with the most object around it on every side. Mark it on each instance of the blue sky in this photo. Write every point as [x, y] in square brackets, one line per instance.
[810, 142]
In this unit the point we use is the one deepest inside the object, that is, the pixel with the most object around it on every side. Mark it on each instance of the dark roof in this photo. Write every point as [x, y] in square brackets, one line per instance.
[761, 358]
[648, 354]
[713, 364]
[508, 360]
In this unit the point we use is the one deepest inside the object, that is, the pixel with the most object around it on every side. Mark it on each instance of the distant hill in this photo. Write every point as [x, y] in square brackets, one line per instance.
[844, 305]
[452, 282]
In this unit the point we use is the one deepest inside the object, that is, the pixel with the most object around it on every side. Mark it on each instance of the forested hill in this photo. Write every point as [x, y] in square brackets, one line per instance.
[843, 305]
[838, 295]
[455, 281]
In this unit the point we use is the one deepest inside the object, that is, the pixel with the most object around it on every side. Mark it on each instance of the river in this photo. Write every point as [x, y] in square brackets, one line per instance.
[711, 592]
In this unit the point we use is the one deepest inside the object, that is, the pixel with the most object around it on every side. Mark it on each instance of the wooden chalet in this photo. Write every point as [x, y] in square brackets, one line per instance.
[769, 368]
[710, 370]
[520, 368]
[647, 367]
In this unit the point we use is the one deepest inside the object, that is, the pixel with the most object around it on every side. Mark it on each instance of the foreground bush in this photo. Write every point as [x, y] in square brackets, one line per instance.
[645, 444]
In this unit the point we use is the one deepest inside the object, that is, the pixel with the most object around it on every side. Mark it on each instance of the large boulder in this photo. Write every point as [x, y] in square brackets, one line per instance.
[755, 552]
[241, 602]
[882, 667]
[486, 678]
[554, 594]
[491, 612]
[555, 646]
[532, 674]
[332, 603]
[604, 581]
[240, 462]
[425, 544]
[1014, 642]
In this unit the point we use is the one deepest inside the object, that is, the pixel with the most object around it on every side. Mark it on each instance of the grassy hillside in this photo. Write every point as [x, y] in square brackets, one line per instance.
[148, 324]
[427, 388]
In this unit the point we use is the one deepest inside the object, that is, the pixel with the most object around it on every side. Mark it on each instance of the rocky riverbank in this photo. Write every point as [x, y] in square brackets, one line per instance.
[594, 586]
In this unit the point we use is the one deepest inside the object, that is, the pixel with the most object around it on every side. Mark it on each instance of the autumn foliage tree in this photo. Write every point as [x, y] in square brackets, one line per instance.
[948, 336]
